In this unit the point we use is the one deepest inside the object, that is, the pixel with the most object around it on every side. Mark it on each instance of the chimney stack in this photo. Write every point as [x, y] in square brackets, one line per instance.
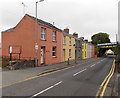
[81, 38]
[66, 30]
[86, 40]
[75, 34]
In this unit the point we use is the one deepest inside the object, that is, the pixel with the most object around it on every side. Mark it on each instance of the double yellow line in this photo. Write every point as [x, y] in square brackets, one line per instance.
[102, 88]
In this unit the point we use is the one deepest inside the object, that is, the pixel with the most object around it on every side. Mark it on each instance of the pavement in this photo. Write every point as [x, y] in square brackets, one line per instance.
[12, 76]
[81, 79]
[114, 85]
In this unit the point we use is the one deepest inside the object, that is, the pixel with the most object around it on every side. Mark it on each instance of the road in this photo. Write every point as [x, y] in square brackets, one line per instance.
[81, 80]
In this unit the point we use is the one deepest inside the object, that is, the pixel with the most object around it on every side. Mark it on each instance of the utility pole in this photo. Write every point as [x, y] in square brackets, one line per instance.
[116, 38]
[36, 37]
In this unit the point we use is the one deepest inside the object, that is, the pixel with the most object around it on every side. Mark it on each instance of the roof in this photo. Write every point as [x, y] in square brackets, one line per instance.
[67, 34]
[9, 30]
[109, 51]
[41, 22]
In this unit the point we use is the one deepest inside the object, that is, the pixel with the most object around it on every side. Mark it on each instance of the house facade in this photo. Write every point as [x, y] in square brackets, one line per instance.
[22, 38]
[89, 50]
[68, 46]
[0, 50]
[84, 50]
[78, 46]
[93, 51]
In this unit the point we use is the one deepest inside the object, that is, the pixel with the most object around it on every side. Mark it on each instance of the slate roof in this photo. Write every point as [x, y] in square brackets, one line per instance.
[70, 35]
[9, 30]
[41, 22]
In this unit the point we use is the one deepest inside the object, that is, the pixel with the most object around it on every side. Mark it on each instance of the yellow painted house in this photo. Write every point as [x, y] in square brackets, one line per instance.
[68, 47]
[84, 50]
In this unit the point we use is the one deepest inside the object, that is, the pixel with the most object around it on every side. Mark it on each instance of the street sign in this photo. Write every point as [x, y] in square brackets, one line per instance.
[10, 49]
[36, 47]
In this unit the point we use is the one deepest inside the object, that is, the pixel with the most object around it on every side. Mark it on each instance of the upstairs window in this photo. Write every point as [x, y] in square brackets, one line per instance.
[43, 33]
[64, 40]
[53, 36]
[70, 41]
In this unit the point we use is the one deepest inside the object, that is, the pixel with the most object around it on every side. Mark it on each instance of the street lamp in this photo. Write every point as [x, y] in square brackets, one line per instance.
[36, 37]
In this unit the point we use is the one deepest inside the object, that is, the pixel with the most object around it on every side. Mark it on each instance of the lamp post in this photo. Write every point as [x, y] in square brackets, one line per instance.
[36, 37]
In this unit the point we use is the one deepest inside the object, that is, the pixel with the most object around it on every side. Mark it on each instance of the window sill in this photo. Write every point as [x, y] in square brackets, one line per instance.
[43, 39]
[54, 56]
[54, 41]
[64, 44]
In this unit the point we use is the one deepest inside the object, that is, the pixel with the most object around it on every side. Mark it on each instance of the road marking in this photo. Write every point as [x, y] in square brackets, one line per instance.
[98, 62]
[79, 72]
[105, 82]
[105, 86]
[92, 65]
[46, 89]
[34, 77]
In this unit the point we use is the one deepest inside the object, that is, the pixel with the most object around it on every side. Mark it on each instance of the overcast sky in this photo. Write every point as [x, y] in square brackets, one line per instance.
[86, 17]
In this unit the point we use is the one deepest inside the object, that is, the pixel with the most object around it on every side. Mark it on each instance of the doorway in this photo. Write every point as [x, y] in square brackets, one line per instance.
[42, 52]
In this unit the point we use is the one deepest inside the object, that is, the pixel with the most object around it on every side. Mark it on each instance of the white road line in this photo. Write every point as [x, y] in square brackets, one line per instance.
[79, 72]
[92, 65]
[46, 89]
[98, 62]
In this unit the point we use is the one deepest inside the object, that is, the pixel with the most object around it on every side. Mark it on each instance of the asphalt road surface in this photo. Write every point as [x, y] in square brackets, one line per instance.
[82, 80]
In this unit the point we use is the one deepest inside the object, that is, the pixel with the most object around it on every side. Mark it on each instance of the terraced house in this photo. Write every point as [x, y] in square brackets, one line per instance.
[22, 39]
[85, 49]
[68, 46]
[78, 46]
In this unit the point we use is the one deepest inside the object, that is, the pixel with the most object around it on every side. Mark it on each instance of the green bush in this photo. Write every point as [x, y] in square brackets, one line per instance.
[117, 58]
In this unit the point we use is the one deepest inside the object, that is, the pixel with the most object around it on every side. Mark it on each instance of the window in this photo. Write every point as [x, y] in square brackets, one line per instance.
[69, 52]
[64, 40]
[54, 36]
[85, 46]
[53, 51]
[70, 41]
[75, 42]
[43, 34]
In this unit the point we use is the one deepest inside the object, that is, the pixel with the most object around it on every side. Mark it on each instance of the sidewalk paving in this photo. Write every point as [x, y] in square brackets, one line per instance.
[116, 87]
[113, 87]
[12, 76]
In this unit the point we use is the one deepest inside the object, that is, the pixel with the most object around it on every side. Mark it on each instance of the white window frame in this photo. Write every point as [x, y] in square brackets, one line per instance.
[54, 51]
[54, 36]
[43, 33]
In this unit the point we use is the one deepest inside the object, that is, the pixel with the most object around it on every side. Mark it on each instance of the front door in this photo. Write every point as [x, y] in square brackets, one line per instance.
[63, 54]
[42, 55]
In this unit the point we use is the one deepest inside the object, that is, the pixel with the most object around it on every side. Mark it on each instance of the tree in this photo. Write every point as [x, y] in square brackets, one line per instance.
[100, 38]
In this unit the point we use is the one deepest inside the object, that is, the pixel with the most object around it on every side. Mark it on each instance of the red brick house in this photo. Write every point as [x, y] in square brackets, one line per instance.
[0, 50]
[93, 51]
[22, 38]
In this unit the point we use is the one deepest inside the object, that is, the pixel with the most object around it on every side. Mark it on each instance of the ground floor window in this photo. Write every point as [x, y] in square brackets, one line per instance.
[54, 51]
[69, 52]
